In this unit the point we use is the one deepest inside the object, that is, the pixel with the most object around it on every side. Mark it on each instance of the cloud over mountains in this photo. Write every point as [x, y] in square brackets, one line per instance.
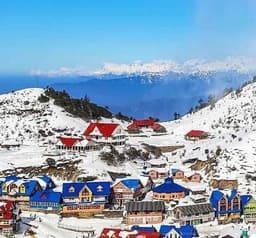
[239, 64]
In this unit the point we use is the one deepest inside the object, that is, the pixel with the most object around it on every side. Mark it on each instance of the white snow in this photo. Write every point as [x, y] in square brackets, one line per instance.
[231, 123]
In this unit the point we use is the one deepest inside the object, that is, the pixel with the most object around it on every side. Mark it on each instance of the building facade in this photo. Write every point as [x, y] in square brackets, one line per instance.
[169, 191]
[194, 214]
[105, 133]
[9, 217]
[148, 212]
[227, 205]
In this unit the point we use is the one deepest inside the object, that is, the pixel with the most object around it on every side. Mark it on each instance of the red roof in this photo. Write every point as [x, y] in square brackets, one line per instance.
[132, 126]
[145, 234]
[195, 133]
[110, 233]
[156, 126]
[141, 123]
[69, 141]
[106, 129]
[115, 233]
[6, 209]
[145, 122]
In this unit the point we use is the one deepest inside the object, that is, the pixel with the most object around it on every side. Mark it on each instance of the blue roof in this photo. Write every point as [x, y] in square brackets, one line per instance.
[164, 229]
[48, 181]
[131, 183]
[77, 188]
[217, 195]
[232, 195]
[11, 177]
[245, 199]
[46, 196]
[186, 231]
[29, 187]
[143, 228]
[100, 188]
[169, 187]
[174, 171]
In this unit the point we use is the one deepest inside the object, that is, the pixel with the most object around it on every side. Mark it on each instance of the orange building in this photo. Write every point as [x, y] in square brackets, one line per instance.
[157, 173]
[82, 209]
[148, 212]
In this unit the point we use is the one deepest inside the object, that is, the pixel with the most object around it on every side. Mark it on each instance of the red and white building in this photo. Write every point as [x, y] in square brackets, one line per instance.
[79, 144]
[95, 136]
[105, 133]
[9, 218]
[118, 233]
[137, 125]
[196, 135]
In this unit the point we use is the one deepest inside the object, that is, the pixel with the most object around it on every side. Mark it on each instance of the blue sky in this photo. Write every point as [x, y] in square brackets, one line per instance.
[49, 34]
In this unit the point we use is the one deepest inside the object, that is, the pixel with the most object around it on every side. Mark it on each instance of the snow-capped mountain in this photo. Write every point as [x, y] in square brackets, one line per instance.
[192, 66]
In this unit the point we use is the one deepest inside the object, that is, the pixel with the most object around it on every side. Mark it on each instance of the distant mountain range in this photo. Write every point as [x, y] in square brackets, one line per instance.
[157, 89]
[153, 95]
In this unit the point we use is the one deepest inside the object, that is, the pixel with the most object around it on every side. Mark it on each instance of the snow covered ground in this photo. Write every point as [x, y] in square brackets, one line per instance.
[230, 122]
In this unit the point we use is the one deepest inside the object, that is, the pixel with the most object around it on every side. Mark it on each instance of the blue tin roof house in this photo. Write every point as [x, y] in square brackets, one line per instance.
[169, 190]
[227, 205]
[100, 191]
[127, 189]
[70, 191]
[84, 192]
[46, 200]
[45, 181]
[18, 187]
[186, 231]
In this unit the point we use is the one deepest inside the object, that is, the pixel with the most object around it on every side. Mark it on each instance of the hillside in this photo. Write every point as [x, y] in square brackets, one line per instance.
[34, 126]
[228, 153]
[231, 124]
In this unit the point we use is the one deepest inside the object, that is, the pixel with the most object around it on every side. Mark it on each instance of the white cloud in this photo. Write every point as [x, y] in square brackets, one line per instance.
[63, 71]
[240, 64]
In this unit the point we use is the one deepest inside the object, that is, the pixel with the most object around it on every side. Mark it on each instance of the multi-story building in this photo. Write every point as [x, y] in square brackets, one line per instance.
[194, 214]
[144, 212]
[9, 217]
[105, 133]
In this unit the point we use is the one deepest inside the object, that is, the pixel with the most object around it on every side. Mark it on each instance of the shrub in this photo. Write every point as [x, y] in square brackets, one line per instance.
[43, 99]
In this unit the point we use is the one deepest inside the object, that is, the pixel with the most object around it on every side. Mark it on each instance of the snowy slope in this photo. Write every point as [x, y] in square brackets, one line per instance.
[230, 122]
[24, 119]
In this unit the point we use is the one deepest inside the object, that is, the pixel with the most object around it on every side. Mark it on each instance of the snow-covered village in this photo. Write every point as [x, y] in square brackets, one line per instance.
[128, 119]
[62, 176]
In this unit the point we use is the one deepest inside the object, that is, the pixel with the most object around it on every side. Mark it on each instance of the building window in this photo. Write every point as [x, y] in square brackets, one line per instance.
[223, 204]
[22, 189]
[99, 188]
[235, 203]
[71, 189]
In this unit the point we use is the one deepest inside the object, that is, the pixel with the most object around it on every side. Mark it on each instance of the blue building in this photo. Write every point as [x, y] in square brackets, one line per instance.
[227, 205]
[46, 200]
[21, 189]
[45, 181]
[169, 191]
[171, 231]
[86, 192]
